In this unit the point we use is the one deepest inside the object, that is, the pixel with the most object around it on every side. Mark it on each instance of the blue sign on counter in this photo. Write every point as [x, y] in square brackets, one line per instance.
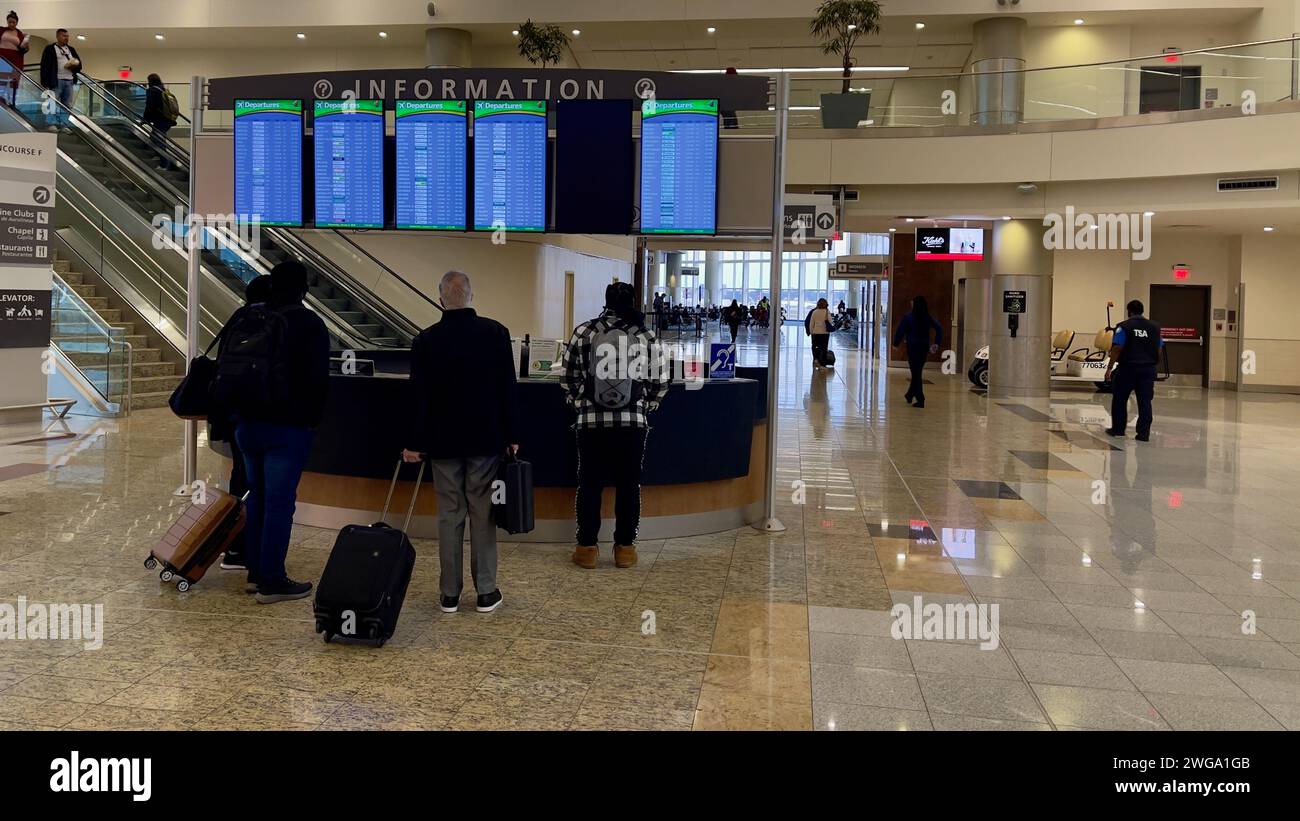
[722, 360]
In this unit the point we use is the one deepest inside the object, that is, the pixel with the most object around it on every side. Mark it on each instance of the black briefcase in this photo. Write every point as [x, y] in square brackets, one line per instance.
[514, 512]
[191, 398]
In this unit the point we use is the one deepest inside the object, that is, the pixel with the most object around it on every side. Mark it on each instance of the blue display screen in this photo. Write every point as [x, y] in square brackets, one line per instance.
[510, 165]
[349, 161]
[432, 137]
[268, 161]
[679, 166]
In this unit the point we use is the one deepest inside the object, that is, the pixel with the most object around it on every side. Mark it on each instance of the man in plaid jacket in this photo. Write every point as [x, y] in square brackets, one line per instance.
[615, 376]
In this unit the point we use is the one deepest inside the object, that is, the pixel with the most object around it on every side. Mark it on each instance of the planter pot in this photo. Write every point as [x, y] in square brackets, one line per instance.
[845, 110]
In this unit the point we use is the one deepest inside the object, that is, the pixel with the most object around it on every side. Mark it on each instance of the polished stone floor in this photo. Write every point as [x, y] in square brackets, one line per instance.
[1123, 575]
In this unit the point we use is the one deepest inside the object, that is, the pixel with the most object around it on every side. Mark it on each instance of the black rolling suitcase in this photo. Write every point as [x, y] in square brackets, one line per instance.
[361, 592]
[515, 513]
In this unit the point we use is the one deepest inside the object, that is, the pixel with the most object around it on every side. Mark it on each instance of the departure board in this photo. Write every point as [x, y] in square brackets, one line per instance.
[432, 137]
[268, 161]
[679, 166]
[510, 165]
[348, 139]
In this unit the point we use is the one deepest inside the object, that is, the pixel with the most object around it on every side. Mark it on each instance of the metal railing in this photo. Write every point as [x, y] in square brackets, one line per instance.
[92, 347]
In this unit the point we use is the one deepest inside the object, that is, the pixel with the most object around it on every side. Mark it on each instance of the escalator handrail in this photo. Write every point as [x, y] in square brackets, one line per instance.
[421, 294]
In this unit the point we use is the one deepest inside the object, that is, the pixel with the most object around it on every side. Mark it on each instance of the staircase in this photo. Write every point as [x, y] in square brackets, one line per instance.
[152, 378]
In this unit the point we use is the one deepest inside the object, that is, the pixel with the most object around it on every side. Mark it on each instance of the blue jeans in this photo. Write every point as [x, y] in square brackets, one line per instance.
[274, 456]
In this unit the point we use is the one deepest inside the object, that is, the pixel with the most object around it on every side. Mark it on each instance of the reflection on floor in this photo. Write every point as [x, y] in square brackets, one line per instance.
[1121, 576]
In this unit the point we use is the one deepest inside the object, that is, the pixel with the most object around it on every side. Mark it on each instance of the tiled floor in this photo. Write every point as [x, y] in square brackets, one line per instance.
[1121, 576]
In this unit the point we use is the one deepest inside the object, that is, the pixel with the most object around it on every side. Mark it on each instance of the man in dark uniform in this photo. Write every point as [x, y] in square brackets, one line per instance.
[1135, 349]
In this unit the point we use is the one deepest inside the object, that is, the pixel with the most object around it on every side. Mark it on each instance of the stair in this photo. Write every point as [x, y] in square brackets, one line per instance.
[152, 378]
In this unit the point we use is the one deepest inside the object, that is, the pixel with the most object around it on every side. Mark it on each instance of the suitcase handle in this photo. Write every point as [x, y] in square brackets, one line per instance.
[415, 494]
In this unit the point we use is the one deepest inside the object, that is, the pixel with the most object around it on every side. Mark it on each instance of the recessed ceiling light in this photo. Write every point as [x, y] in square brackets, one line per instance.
[81, 37]
[892, 230]
[577, 32]
[301, 36]
[383, 34]
[158, 37]
[852, 27]
[711, 29]
[909, 219]
[920, 26]
[1006, 218]
[1148, 213]
[515, 32]
[1078, 21]
[1268, 228]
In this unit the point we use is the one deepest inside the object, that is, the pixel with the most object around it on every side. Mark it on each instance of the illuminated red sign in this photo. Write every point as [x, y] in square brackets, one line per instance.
[1181, 274]
[1180, 333]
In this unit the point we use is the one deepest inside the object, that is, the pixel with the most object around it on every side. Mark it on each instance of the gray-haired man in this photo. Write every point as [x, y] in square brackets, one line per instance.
[465, 418]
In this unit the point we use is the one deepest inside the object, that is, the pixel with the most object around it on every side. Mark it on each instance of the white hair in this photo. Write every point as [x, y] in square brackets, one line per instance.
[454, 290]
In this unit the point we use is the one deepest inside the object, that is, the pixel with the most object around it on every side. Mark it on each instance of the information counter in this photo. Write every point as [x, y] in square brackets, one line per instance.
[703, 468]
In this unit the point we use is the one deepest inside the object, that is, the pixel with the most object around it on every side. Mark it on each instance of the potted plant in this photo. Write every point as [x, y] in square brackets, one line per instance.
[542, 43]
[837, 25]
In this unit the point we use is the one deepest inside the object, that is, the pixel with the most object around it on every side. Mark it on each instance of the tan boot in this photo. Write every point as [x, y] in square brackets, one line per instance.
[624, 555]
[585, 557]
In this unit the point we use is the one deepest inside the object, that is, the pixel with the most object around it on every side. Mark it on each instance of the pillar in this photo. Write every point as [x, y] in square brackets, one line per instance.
[446, 48]
[1020, 366]
[999, 46]
[673, 264]
[713, 277]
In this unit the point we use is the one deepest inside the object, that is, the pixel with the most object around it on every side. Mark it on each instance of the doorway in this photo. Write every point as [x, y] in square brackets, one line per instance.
[1169, 88]
[1183, 314]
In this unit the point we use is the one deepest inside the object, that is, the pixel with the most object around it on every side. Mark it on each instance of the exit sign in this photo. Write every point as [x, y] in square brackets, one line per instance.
[1181, 274]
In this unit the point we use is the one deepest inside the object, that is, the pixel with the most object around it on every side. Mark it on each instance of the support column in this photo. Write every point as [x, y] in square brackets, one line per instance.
[713, 277]
[999, 46]
[1020, 366]
[673, 268]
[447, 48]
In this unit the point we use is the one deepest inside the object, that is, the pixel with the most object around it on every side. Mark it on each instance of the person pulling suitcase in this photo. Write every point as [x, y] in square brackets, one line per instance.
[466, 418]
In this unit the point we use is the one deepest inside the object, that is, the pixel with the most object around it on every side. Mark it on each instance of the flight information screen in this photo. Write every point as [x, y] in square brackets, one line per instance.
[349, 161]
[510, 165]
[431, 155]
[679, 166]
[268, 161]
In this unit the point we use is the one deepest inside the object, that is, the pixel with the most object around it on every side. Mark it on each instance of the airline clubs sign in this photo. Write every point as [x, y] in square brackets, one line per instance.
[734, 92]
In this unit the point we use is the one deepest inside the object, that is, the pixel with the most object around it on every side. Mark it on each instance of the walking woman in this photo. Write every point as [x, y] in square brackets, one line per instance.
[13, 45]
[818, 325]
[915, 329]
[731, 316]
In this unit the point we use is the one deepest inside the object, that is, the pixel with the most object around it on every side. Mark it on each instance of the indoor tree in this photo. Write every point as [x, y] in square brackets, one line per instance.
[837, 25]
[542, 43]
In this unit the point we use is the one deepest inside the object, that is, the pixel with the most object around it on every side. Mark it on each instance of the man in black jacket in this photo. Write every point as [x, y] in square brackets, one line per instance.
[1135, 351]
[276, 441]
[466, 418]
[60, 64]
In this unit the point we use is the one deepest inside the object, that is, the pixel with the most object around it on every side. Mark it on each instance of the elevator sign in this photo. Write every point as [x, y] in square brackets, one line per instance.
[1013, 302]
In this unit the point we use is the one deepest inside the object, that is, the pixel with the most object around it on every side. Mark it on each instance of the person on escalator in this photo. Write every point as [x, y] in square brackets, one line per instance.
[13, 46]
[161, 112]
[60, 64]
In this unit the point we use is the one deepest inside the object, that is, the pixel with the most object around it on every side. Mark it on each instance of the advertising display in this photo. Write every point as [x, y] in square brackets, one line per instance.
[268, 161]
[510, 165]
[348, 143]
[432, 139]
[679, 166]
[965, 244]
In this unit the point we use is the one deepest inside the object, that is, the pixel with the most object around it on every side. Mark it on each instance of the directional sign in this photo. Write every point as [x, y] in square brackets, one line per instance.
[815, 213]
[856, 269]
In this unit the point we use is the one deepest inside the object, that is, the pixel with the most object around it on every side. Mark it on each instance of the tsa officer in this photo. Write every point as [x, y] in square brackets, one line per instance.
[1134, 352]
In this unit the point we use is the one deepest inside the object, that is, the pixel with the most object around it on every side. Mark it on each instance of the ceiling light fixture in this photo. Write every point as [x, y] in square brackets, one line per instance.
[158, 37]
[81, 37]
[920, 26]
[1148, 213]
[892, 230]
[711, 29]
[852, 27]
[301, 36]
[577, 32]
[1268, 228]
[383, 34]
[1078, 21]
[515, 32]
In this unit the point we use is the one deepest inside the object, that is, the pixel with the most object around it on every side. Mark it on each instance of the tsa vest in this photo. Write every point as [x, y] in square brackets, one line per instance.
[1141, 343]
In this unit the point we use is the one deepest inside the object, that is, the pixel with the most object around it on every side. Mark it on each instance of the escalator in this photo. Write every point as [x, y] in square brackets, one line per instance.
[113, 199]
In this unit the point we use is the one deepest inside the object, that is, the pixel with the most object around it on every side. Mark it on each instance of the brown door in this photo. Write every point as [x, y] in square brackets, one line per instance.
[1183, 314]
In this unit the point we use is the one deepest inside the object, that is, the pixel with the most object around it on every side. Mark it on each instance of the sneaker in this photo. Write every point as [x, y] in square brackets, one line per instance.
[449, 604]
[489, 602]
[233, 561]
[285, 590]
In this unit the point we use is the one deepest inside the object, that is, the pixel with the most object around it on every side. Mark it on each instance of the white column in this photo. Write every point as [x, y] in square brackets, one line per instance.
[447, 48]
[713, 277]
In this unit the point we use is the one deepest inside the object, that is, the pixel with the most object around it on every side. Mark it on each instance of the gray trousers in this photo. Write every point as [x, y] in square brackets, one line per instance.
[465, 486]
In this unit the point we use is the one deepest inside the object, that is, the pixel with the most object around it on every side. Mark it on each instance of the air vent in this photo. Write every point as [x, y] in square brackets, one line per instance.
[1248, 184]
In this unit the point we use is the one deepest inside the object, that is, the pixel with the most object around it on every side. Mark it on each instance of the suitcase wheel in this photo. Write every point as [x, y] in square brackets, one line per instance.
[166, 575]
[182, 585]
[150, 563]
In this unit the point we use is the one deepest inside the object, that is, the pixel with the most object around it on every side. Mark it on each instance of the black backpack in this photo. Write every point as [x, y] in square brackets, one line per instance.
[252, 376]
[617, 366]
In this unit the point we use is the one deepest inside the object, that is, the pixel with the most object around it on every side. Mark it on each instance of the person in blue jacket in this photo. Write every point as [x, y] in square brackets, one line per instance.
[915, 328]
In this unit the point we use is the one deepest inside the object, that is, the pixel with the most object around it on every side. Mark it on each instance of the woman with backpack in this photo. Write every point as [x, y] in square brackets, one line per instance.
[161, 111]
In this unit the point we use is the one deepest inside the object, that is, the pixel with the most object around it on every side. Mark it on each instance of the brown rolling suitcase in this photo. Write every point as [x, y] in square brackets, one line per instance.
[197, 538]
